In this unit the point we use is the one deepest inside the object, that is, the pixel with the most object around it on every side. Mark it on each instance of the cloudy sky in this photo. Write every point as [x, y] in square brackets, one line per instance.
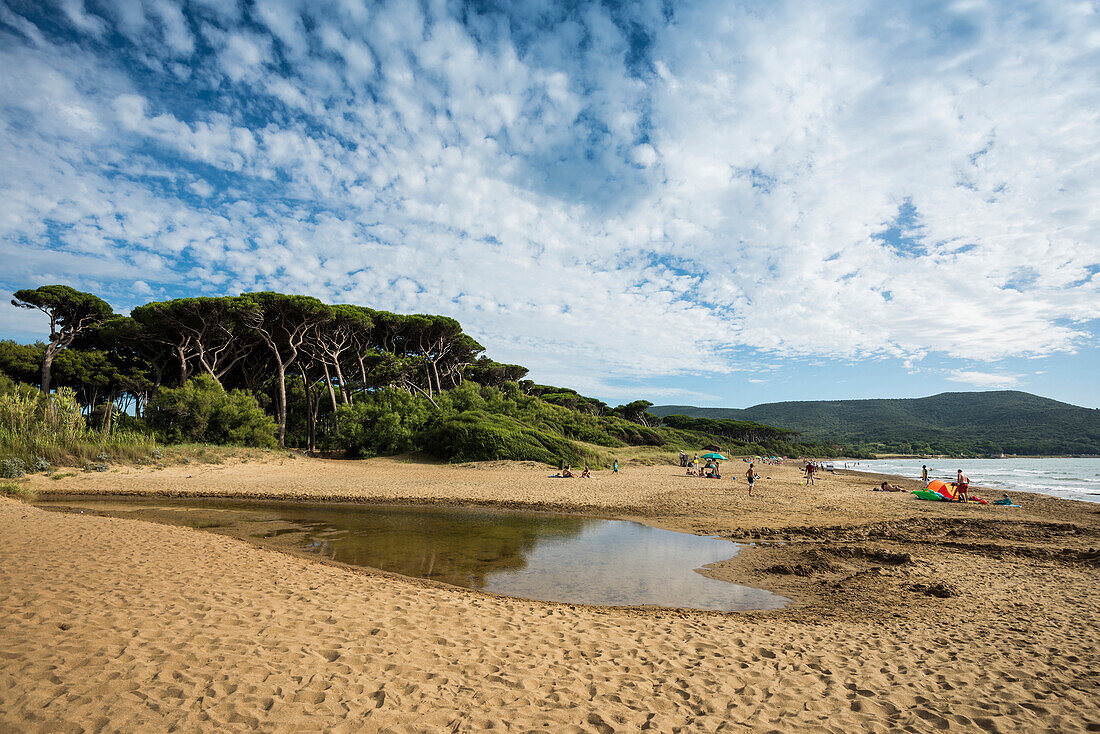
[714, 203]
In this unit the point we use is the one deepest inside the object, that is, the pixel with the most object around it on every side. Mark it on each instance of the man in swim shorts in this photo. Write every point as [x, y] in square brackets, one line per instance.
[962, 484]
[751, 476]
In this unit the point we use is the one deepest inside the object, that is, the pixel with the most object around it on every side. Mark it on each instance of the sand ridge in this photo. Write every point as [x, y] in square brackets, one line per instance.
[114, 624]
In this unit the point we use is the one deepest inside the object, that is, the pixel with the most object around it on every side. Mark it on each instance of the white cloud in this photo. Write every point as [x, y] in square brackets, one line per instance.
[991, 380]
[74, 10]
[596, 206]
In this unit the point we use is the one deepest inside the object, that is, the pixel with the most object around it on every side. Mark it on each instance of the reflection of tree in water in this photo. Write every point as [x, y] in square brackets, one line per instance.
[456, 547]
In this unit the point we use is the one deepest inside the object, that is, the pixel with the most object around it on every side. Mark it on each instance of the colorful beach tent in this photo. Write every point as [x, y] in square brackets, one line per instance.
[713, 455]
[946, 490]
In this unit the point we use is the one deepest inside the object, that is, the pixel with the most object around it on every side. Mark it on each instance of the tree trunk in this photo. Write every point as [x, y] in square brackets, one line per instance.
[108, 414]
[435, 371]
[328, 382]
[309, 414]
[340, 382]
[47, 364]
[183, 365]
[281, 371]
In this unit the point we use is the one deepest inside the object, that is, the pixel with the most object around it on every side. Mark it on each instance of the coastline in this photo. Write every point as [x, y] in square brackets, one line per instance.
[871, 576]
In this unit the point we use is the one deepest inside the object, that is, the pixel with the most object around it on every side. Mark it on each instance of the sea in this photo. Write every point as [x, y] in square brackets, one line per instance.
[1074, 479]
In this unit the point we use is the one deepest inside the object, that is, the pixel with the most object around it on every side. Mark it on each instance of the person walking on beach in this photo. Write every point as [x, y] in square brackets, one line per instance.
[751, 476]
[683, 459]
[962, 484]
[810, 473]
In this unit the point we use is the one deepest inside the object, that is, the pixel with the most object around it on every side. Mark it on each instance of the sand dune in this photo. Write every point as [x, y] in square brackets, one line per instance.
[115, 624]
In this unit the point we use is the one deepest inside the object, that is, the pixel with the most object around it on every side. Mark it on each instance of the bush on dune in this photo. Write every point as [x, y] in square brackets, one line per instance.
[477, 436]
[203, 412]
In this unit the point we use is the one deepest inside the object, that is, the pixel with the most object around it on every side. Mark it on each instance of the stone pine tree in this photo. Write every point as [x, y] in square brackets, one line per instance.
[282, 324]
[71, 313]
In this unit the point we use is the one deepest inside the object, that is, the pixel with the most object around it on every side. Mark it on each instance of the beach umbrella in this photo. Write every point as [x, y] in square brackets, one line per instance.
[713, 455]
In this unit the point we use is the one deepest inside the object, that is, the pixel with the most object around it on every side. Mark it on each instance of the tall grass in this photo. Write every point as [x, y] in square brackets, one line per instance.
[33, 426]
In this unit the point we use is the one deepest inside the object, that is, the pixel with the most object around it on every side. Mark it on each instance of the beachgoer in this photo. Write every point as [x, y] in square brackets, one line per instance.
[695, 459]
[751, 476]
[586, 474]
[962, 484]
[683, 458]
[809, 473]
[615, 466]
[566, 473]
[884, 487]
[924, 474]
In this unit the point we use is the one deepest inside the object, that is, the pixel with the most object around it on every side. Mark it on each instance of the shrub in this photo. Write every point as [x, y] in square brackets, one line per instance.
[203, 412]
[387, 422]
[18, 491]
[40, 465]
[12, 468]
[478, 436]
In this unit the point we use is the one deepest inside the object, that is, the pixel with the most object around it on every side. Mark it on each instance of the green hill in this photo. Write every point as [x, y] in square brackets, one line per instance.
[1002, 421]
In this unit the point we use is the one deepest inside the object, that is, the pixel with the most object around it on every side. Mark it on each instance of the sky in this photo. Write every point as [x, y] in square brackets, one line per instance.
[706, 203]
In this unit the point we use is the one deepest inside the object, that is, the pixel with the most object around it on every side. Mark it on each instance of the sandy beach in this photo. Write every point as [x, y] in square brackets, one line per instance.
[906, 615]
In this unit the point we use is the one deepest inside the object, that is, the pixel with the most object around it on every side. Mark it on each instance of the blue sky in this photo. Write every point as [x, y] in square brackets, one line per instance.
[712, 203]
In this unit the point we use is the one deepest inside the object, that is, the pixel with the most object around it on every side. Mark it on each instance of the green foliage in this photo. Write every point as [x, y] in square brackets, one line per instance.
[38, 430]
[475, 422]
[16, 490]
[68, 306]
[969, 423]
[23, 362]
[12, 468]
[202, 411]
[476, 435]
[384, 423]
[743, 431]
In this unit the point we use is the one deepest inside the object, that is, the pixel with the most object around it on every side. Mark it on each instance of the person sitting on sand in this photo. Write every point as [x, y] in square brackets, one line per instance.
[586, 474]
[566, 473]
[962, 484]
[884, 487]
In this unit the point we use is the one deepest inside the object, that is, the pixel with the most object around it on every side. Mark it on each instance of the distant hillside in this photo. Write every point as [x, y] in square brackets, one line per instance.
[1003, 421]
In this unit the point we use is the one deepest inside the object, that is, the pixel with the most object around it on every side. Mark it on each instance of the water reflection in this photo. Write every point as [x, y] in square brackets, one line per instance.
[524, 554]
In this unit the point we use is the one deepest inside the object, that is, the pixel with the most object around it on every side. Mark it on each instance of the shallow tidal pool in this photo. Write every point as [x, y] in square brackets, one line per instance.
[532, 555]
